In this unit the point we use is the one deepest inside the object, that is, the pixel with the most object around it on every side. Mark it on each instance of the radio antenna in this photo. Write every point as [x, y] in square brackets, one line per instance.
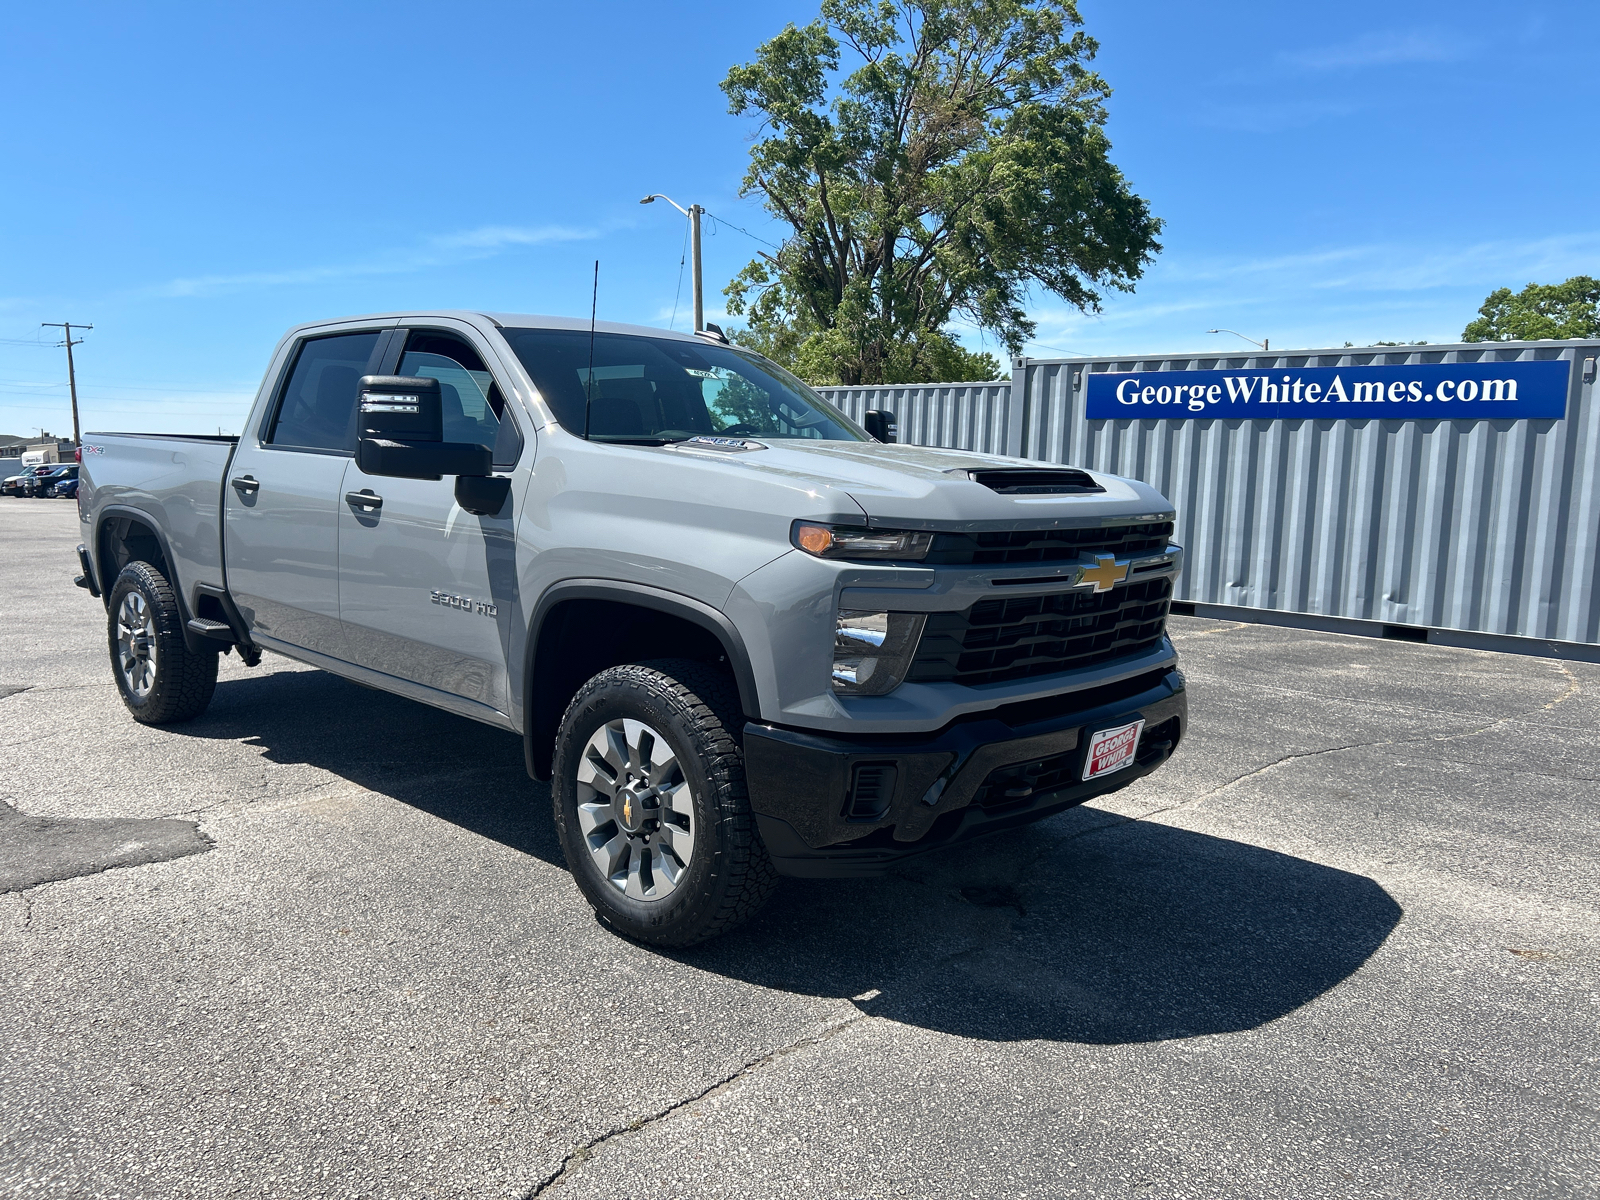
[588, 383]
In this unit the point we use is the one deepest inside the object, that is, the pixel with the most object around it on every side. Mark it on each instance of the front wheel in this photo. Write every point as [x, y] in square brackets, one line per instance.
[651, 807]
[161, 680]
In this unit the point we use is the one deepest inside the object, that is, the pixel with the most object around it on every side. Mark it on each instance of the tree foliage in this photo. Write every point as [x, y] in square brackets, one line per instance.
[955, 160]
[1540, 310]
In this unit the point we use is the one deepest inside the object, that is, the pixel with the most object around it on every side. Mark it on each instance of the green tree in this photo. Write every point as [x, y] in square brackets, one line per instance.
[1540, 310]
[959, 161]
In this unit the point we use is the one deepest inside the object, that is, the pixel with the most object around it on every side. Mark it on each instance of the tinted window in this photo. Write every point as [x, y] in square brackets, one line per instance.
[656, 390]
[471, 400]
[318, 406]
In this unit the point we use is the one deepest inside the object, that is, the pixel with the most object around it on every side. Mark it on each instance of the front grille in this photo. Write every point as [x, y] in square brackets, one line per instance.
[1020, 546]
[1022, 636]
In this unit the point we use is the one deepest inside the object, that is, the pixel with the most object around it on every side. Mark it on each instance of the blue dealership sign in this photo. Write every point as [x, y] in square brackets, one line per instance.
[1441, 391]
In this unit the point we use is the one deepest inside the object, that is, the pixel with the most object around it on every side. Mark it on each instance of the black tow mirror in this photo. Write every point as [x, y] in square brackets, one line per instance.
[402, 408]
[880, 423]
[402, 432]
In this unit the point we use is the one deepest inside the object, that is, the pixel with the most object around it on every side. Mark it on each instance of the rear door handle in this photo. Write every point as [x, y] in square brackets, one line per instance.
[364, 499]
[246, 485]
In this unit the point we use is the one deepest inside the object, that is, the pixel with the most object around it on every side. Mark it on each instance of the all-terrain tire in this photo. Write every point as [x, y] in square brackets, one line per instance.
[161, 680]
[729, 875]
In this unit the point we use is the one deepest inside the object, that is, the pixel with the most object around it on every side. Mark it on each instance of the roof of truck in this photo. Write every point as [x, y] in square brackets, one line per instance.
[541, 321]
[508, 321]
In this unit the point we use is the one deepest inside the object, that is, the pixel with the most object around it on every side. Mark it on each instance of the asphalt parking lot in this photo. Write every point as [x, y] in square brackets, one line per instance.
[1344, 945]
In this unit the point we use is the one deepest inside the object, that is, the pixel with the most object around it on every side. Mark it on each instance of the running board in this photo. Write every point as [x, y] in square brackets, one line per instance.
[232, 630]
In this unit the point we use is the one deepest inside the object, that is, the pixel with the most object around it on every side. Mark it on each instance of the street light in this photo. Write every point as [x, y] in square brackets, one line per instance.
[693, 213]
[1237, 334]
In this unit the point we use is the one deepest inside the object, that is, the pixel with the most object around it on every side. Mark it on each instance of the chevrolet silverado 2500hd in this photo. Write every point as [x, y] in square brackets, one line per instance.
[741, 636]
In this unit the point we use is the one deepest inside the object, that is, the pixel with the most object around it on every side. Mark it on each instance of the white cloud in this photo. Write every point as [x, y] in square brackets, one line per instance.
[1383, 50]
[1273, 117]
[498, 237]
[1321, 297]
[441, 250]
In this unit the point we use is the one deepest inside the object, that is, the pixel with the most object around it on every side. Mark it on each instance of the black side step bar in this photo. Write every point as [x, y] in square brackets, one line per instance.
[233, 630]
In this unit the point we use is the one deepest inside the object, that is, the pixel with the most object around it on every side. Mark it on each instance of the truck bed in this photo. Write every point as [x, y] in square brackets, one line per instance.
[175, 482]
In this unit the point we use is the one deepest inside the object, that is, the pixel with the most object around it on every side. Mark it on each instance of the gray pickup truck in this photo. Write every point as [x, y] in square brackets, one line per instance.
[740, 635]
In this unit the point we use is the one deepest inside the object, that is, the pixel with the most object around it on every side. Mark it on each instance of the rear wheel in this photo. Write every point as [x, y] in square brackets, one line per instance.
[161, 680]
[651, 807]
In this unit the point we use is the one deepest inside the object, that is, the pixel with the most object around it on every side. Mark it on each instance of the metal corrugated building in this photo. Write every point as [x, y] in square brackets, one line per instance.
[1475, 530]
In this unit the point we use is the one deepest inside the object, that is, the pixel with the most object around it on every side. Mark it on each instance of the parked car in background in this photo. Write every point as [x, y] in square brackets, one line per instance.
[34, 484]
[59, 473]
[22, 485]
[66, 489]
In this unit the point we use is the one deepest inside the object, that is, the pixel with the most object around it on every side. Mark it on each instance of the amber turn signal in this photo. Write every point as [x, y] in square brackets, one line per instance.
[814, 539]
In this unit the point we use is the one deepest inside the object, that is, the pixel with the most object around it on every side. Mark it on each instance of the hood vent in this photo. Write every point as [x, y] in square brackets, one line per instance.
[1034, 481]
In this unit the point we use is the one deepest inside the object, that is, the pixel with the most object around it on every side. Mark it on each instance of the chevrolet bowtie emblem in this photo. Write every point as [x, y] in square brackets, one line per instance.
[1106, 573]
[627, 809]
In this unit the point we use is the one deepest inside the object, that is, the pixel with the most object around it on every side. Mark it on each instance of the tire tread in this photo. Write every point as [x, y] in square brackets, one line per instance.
[185, 680]
[709, 700]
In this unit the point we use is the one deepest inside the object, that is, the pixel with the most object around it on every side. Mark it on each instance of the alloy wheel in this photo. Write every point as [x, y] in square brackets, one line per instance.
[136, 645]
[635, 809]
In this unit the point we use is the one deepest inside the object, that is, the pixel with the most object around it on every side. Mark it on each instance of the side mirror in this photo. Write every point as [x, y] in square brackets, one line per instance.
[402, 432]
[880, 423]
[404, 408]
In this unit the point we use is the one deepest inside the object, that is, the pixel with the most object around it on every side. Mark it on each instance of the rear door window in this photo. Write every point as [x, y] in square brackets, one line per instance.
[317, 409]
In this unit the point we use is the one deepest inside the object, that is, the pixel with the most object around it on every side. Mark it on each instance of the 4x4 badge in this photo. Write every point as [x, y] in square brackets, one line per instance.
[1106, 573]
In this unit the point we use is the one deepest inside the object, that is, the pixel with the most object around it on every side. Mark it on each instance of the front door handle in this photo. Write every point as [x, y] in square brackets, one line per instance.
[246, 485]
[364, 499]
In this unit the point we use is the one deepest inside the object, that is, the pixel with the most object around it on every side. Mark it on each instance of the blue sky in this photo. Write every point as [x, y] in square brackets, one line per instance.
[194, 179]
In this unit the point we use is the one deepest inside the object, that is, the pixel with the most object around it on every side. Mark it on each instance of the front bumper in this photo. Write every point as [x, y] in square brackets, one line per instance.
[830, 806]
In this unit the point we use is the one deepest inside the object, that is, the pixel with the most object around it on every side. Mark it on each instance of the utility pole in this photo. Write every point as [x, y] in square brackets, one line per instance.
[693, 213]
[72, 375]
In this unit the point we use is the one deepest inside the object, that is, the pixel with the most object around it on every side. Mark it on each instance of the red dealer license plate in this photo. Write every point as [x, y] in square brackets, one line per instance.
[1112, 749]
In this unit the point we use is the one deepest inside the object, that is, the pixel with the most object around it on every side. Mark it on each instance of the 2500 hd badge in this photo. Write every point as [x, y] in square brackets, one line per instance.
[465, 604]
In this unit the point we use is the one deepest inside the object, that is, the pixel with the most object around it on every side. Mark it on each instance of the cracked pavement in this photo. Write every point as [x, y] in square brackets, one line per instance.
[1344, 945]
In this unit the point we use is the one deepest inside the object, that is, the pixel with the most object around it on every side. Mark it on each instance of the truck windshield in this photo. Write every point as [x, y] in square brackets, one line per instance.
[653, 391]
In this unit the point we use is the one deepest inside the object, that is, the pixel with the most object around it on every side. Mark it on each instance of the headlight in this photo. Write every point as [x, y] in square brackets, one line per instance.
[872, 650]
[850, 541]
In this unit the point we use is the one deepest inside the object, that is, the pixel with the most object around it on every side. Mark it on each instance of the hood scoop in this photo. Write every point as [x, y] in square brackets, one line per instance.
[1033, 481]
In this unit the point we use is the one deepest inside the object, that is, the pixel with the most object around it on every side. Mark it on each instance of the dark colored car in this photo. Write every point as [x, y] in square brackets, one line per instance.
[44, 482]
[66, 489]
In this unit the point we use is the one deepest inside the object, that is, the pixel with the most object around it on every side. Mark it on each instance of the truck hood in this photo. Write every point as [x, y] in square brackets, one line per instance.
[915, 487]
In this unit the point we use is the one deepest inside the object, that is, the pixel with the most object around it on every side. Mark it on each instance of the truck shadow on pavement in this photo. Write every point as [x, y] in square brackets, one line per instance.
[457, 769]
[1083, 928]
[1086, 927]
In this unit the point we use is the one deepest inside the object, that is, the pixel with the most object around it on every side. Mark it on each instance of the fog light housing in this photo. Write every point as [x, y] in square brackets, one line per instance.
[872, 651]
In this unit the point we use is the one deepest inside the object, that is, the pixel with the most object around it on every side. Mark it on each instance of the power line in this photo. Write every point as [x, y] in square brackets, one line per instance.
[741, 229]
[682, 256]
[139, 387]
